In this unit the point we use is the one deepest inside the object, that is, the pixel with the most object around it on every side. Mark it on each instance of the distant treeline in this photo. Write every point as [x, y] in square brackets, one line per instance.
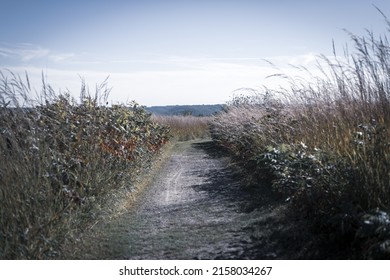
[193, 110]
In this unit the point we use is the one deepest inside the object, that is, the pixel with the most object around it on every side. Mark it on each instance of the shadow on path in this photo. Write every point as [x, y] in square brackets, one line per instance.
[273, 233]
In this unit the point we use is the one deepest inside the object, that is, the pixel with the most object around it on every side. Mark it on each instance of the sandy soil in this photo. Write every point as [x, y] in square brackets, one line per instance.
[197, 208]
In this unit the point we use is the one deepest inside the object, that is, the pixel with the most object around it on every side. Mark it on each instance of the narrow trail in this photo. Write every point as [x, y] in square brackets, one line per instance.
[197, 208]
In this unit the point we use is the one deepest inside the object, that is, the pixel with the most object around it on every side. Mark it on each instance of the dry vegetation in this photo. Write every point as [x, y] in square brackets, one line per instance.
[185, 127]
[324, 146]
[61, 159]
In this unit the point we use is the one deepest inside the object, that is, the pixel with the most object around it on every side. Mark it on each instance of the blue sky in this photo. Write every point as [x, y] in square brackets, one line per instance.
[174, 52]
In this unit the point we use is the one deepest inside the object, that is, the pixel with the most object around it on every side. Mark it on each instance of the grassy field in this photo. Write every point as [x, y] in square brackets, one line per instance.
[184, 128]
[324, 146]
[61, 160]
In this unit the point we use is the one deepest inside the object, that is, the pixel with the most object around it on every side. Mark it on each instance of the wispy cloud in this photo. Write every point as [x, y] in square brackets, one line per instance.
[26, 52]
[171, 80]
[183, 63]
[304, 59]
[23, 52]
[61, 56]
[4, 52]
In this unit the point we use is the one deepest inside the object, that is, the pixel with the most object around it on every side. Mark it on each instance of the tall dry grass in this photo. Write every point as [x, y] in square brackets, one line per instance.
[60, 160]
[183, 128]
[325, 145]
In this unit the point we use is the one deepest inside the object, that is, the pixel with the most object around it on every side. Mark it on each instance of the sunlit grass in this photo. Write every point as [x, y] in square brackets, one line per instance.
[184, 128]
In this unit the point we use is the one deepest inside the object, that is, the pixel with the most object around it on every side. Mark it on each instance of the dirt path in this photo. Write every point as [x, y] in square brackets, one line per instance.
[196, 208]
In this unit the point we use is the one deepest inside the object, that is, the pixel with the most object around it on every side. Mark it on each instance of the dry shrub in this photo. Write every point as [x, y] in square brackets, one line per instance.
[59, 161]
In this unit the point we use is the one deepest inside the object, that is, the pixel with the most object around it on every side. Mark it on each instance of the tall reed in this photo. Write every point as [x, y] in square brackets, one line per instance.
[324, 142]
